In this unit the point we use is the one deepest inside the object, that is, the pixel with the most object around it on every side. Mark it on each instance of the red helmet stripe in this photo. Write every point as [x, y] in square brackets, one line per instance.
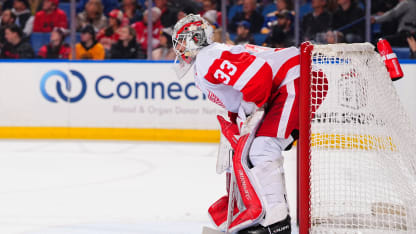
[197, 23]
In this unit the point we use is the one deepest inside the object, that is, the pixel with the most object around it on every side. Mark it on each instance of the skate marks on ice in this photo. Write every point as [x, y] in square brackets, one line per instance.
[91, 187]
[42, 167]
[125, 228]
[114, 187]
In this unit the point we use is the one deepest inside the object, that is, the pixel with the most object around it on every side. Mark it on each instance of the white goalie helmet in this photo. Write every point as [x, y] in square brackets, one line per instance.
[190, 35]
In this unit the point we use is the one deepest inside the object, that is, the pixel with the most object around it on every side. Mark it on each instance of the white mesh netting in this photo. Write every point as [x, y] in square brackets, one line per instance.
[363, 163]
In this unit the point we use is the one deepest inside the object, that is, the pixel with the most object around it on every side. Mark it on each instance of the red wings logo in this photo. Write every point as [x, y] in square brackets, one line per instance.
[215, 99]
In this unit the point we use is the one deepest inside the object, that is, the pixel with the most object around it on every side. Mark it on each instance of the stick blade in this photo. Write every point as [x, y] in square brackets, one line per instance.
[208, 230]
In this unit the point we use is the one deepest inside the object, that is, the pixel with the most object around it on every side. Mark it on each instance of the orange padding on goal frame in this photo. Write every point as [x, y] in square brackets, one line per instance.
[360, 142]
[180, 135]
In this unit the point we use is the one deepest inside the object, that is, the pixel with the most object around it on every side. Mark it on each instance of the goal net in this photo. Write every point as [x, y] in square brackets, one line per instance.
[357, 146]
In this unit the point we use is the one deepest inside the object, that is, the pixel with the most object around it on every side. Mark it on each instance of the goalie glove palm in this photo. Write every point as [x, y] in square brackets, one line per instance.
[229, 130]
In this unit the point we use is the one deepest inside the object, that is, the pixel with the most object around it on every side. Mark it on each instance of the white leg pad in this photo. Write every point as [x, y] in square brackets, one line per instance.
[268, 149]
[269, 175]
[271, 181]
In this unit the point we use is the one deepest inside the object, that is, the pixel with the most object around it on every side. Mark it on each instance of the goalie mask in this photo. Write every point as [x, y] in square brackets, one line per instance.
[191, 34]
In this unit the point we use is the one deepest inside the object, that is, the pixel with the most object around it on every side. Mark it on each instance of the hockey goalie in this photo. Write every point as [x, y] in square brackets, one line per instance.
[258, 87]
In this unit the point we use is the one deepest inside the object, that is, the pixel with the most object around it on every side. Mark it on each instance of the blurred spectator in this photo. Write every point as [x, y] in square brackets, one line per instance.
[284, 5]
[348, 12]
[126, 46]
[194, 6]
[6, 4]
[217, 37]
[405, 13]
[282, 34]
[24, 18]
[109, 5]
[210, 12]
[131, 11]
[93, 15]
[164, 51]
[333, 37]
[7, 18]
[211, 17]
[168, 14]
[141, 28]
[34, 5]
[182, 13]
[243, 34]
[17, 46]
[233, 7]
[378, 7]
[49, 17]
[56, 48]
[412, 46]
[109, 35]
[332, 6]
[271, 18]
[319, 20]
[89, 47]
[249, 14]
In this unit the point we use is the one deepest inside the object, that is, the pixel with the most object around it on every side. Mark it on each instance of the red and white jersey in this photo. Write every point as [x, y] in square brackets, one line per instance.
[244, 77]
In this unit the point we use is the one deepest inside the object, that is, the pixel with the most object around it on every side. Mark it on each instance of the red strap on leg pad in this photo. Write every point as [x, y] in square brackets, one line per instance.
[247, 188]
[219, 211]
[229, 130]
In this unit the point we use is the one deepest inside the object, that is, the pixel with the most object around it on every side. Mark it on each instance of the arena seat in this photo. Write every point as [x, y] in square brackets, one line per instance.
[259, 38]
[305, 9]
[234, 10]
[402, 52]
[38, 39]
[77, 38]
[233, 36]
[268, 8]
[66, 7]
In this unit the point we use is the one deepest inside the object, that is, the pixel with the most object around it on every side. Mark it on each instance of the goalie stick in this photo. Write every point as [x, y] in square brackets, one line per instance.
[224, 164]
[231, 200]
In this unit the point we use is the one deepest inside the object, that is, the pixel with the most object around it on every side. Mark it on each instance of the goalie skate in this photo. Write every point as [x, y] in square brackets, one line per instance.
[282, 227]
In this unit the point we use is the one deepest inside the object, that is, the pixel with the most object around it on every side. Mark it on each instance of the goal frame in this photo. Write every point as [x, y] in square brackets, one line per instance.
[303, 156]
[351, 189]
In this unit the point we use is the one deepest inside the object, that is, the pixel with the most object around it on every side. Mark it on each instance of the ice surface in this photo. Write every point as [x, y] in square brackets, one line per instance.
[109, 187]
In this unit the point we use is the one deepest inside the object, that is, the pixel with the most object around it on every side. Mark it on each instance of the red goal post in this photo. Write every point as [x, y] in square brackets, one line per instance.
[357, 147]
[304, 135]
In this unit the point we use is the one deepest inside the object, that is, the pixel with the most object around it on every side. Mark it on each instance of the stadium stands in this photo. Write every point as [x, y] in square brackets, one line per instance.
[39, 39]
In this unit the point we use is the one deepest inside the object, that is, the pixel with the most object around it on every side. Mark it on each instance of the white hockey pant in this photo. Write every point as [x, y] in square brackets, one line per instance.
[266, 157]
